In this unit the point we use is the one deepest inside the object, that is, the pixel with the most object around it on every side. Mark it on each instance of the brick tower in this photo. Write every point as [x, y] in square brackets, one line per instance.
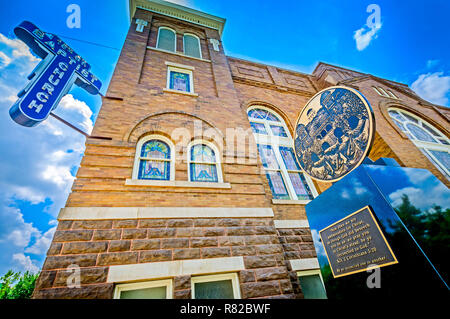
[182, 202]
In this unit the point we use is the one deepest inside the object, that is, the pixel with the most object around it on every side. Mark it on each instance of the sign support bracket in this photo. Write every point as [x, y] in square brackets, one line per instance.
[79, 130]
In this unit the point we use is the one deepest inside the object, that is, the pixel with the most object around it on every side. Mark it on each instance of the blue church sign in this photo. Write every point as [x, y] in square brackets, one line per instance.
[52, 78]
[334, 133]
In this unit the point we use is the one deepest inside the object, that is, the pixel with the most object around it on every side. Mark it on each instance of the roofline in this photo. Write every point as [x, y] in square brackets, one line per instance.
[340, 67]
[177, 11]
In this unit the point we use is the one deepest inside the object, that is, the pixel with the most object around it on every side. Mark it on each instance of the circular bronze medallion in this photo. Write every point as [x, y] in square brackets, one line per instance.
[334, 133]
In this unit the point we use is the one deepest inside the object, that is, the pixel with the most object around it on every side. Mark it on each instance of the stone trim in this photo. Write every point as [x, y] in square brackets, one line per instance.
[292, 223]
[304, 264]
[96, 213]
[141, 182]
[165, 269]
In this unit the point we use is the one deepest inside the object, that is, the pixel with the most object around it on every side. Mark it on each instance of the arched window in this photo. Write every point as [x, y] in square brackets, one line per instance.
[154, 159]
[274, 141]
[434, 144]
[203, 161]
[166, 39]
[191, 45]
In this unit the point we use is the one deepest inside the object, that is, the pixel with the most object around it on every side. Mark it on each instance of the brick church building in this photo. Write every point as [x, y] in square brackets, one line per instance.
[197, 193]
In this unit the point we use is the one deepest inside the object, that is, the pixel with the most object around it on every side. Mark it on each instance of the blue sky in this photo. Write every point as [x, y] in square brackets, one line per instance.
[37, 165]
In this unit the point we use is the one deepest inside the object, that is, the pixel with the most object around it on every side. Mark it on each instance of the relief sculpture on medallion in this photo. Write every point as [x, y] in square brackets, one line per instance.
[333, 133]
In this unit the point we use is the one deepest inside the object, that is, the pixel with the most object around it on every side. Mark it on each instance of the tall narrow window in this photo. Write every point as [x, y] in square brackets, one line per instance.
[203, 164]
[154, 159]
[286, 180]
[166, 39]
[191, 45]
[434, 144]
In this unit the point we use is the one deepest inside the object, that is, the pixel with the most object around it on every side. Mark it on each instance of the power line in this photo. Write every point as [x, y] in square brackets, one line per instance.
[89, 42]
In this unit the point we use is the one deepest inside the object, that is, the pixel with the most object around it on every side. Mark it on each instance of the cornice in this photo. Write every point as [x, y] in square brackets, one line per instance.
[179, 12]
[242, 80]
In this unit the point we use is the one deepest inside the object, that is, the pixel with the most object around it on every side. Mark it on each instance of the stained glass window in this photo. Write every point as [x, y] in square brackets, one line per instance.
[278, 131]
[258, 128]
[203, 164]
[283, 173]
[191, 46]
[263, 115]
[434, 144]
[154, 162]
[179, 81]
[166, 39]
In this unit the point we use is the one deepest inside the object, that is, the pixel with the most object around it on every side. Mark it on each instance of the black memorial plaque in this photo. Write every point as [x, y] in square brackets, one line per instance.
[355, 244]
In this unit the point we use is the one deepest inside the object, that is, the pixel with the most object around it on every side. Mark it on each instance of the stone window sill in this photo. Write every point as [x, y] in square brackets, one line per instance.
[179, 54]
[151, 183]
[289, 202]
[179, 92]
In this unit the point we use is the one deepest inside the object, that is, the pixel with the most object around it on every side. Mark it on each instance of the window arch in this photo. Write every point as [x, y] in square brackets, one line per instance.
[191, 45]
[203, 163]
[286, 179]
[155, 159]
[434, 144]
[167, 39]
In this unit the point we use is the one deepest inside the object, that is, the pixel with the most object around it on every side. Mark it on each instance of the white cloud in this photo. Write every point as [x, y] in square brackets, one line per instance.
[79, 110]
[4, 59]
[365, 35]
[26, 263]
[21, 232]
[422, 199]
[59, 175]
[28, 194]
[42, 243]
[433, 87]
[19, 48]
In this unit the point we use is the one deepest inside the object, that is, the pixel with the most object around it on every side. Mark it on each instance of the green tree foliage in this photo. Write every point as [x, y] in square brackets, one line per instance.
[15, 285]
[431, 230]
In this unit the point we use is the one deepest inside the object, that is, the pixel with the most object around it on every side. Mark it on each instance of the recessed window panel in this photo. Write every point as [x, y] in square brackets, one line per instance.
[155, 149]
[268, 156]
[258, 128]
[202, 153]
[442, 157]
[166, 40]
[203, 172]
[287, 153]
[312, 287]
[222, 289]
[300, 186]
[145, 293]
[278, 131]
[154, 170]
[191, 46]
[420, 133]
[277, 185]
